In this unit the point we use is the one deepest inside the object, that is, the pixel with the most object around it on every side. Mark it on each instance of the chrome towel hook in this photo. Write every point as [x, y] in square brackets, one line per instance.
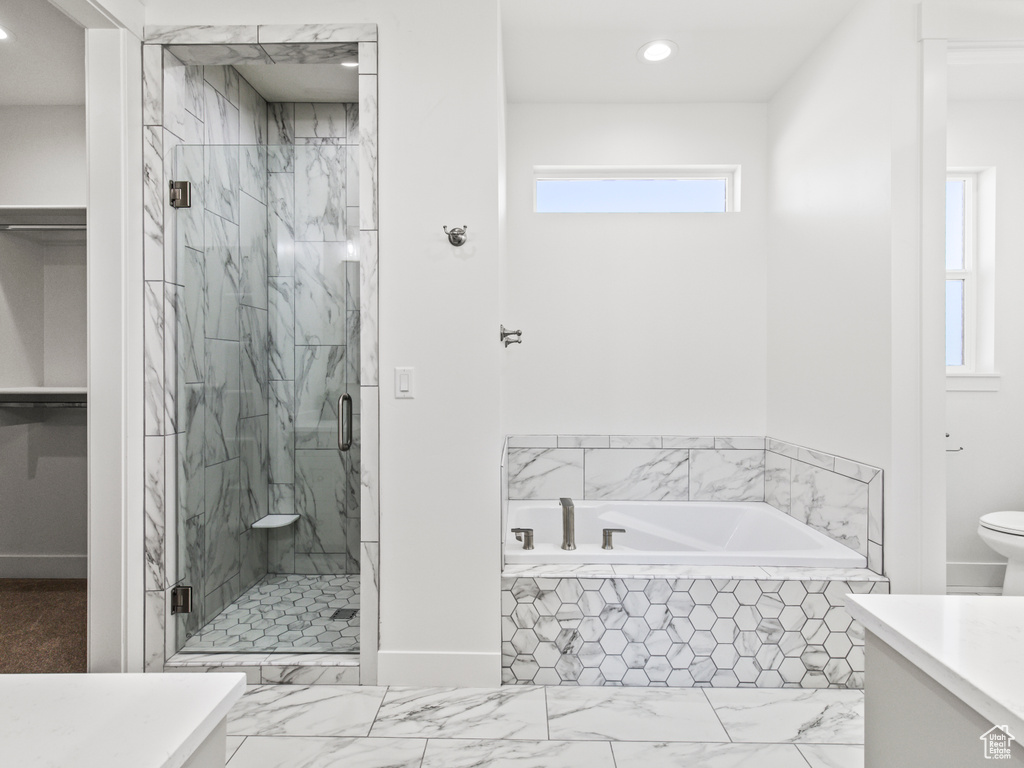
[511, 337]
[457, 236]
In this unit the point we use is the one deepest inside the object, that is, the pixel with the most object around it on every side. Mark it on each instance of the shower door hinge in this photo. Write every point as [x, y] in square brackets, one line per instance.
[181, 600]
[181, 194]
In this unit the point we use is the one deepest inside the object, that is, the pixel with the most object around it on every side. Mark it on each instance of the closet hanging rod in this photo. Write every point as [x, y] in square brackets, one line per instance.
[42, 227]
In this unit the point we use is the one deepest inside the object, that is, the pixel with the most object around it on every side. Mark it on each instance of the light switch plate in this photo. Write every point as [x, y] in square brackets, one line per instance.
[404, 384]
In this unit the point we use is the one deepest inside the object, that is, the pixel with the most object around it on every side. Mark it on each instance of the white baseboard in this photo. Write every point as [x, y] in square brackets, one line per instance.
[980, 575]
[421, 668]
[44, 566]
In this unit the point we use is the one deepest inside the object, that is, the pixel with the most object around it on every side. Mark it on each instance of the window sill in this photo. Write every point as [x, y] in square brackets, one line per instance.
[972, 382]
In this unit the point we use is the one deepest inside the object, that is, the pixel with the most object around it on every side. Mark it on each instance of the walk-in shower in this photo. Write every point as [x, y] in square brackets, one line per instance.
[267, 356]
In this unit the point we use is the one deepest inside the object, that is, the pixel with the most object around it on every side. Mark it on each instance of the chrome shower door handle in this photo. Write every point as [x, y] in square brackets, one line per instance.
[345, 422]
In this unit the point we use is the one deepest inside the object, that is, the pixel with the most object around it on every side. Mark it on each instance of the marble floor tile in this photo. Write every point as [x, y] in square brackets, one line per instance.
[464, 713]
[284, 613]
[833, 755]
[632, 714]
[298, 710]
[830, 717]
[646, 754]
[234, 742]
[310, 752]
[461, 753]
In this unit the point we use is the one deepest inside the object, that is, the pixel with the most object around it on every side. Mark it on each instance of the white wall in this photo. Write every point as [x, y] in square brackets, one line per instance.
[43, 158]
[986, 476]
[829, 323]
[439, 134]
[635, 323]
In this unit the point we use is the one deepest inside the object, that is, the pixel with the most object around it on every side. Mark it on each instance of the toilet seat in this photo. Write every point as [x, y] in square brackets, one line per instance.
[1009, 522]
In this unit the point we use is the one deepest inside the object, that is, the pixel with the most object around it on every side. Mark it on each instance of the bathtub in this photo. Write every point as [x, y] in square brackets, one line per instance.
[674, 533]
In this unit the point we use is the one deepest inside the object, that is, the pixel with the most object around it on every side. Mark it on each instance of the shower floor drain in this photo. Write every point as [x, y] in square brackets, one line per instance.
[344, 614]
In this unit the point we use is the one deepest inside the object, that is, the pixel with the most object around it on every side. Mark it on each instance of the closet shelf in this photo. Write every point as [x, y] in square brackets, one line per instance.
[43, 397]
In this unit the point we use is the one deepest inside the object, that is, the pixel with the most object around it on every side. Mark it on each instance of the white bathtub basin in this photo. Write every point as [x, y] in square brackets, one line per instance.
[674, 533]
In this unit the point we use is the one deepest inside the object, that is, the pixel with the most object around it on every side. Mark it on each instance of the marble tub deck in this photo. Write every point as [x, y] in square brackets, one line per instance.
[544, 727]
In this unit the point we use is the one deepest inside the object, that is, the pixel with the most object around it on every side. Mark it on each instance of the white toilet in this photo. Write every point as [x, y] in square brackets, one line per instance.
[1004, 532]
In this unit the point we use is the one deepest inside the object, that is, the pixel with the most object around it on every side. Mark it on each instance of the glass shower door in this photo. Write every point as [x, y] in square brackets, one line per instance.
[267, 310]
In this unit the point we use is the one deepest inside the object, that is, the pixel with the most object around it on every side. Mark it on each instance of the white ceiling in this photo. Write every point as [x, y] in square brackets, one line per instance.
[303, 82]
[986, 74]
[44, 62]
[729, 50]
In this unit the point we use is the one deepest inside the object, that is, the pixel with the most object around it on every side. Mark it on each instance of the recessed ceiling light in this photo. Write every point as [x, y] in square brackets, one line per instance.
[350, 63]
[656, 50]
[4, 34]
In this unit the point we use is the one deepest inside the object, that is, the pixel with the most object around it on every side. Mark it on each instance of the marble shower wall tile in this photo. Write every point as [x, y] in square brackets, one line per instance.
[208, 55]
[254, 453]
[152, 85]
[320, 192]
[636, 473]
[153, 194]
[222, 180]
[253, 384]
[368, 362]
[155, 632]
[192, 319]
[369, 504]
[282, 328]
[368, 58]
[320, 292]
[224, 80]
[155, 513]
[153, 353]
[777, 478]
[223, 524]
[325, 121]
[320, 502]
[368, 151]
[319, 382]
[254, 552]
[183, 100]
[191, 450]
[730, 475]
[369, 584]
[281, 548]
[282, 431]
[173, 299]
[281, 219]
[317, 33]
[831, 503]
[222, 400]
[545, 473]
[184, 227]
[199, 33]
[311, 53]
[252, 231]
[222, 276]
[312, 563]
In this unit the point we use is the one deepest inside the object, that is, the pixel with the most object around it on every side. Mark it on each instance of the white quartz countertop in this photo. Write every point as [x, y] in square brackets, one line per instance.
[110, 721]
[968, 644]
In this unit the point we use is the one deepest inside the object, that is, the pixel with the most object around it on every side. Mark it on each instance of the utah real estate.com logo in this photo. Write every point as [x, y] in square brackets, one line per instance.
[997, 741]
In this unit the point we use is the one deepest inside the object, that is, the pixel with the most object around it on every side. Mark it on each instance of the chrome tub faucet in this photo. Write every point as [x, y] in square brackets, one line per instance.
[568, 523]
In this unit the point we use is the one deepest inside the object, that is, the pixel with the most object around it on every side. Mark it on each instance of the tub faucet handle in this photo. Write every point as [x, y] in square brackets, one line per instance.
[524, 535]
[606, 536]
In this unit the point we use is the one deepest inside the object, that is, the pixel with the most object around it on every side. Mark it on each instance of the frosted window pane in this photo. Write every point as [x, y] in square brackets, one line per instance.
[954, 322]
[955, 224]
[631, 196]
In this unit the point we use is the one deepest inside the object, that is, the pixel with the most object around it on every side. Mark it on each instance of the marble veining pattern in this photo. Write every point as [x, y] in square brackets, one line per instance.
[832, 504]
[795, 716]
[684, 630]
[299, 725]
[636, 473]
[727, 475]
[541, 473]
[285, 613]
[487, 713]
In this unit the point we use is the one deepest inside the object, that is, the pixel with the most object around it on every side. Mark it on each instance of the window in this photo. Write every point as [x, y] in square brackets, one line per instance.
[961, 192]
[970, 280]
[636, 190]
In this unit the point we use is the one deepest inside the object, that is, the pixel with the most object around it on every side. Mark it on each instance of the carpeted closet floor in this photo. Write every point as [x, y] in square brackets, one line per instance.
[42, 625]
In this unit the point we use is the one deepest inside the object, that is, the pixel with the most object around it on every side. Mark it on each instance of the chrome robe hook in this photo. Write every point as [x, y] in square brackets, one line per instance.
[457, 236]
